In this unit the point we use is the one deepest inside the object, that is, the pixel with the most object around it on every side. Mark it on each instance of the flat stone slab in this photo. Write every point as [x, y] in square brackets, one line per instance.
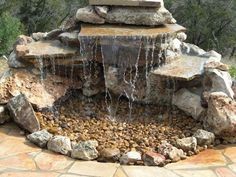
[142, 3]
[89, 30]
[186, 68]
[45, 49]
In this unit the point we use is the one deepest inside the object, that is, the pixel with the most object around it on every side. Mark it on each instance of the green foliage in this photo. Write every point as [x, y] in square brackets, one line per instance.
[10, 29]
[210, 23]
[232, 71]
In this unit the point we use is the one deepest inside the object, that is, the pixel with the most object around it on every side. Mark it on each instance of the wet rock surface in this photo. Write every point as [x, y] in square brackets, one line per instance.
[23, 114]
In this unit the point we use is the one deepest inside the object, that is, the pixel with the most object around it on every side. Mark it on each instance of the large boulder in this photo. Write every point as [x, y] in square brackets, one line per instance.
[60, 144]
[89, 15]
[189, 102]
[221, 115]
[23, 114]
[217, 80]
[85, 150]
[139, 16]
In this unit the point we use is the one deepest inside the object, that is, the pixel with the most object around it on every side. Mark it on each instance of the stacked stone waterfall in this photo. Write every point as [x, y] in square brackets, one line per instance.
[132, 48]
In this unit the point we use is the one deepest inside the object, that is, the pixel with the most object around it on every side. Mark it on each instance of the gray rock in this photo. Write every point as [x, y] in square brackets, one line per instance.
[89, 15]
[23, 114]
[60, 144]
[4, 115]
[40, 138]
[85, 150]
[38, 36]
[204, 137]
[109, 155]
[171, 152]
[13, 61]
[189, 102]
[102, 10]
[130, 157]
[153, 159]
[191, 49]
[187, 144]
[221, 115]
[69, 38]
[139, 16]
[216, 80]
[53, 34]
[212, 55]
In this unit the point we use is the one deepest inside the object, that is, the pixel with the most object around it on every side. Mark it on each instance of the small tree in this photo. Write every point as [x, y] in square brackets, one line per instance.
[10, 28]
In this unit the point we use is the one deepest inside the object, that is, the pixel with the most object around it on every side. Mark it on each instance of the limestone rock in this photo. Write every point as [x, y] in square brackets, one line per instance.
[153, 159]
[21, 50]
[13, 61]
[70, 38]
[204, 137]
[139, 16]
[110, 155]
[38, 36]
[216, 65]
[60, 144]
[70, 24]
[189, 103]
[130, 157]
[23, 113]
[85, 150]
[102, 10]
[89, 15]
[221, 115]
[212, 55]
[4, 115]
[171, 152]
[40, 138]
[191, 49]
[216, 80]
[187, 144]
[53, 34]
[23, 40]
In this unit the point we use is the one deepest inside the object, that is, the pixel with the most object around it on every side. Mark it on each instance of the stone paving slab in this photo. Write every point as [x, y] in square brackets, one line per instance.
[136, 171]
[195, 173]
[19, 158]
[95, 169]
[206, 159]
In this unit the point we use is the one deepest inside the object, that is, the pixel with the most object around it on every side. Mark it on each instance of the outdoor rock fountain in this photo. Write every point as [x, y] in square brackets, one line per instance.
[126, 58]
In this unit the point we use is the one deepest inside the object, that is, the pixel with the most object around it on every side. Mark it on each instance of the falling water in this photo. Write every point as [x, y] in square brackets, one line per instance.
[41, 68]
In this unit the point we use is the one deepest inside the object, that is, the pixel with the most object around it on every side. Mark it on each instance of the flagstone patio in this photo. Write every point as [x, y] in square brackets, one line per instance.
[19, 158]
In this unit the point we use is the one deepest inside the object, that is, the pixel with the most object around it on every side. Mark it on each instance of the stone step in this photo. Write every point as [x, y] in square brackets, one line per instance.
[89, 30]
[48, 49]
[142, 3]
[186, 68]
